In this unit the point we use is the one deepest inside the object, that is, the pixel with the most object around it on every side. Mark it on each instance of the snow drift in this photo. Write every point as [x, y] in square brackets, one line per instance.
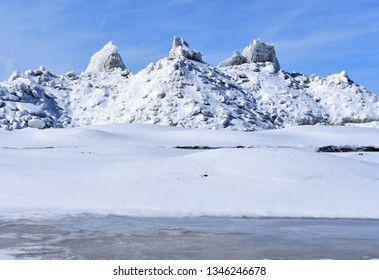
[134, 170]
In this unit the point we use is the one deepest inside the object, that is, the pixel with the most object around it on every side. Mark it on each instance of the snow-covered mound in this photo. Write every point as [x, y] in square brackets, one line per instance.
[246, 92]
[289, 99]
[33, 99]
[277, 95]
[342, 99]
[179, 90]
[92, 96]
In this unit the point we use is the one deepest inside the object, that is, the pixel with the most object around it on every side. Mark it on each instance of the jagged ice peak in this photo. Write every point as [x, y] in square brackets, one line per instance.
[106, 59]
[256, 52]
[180, 48]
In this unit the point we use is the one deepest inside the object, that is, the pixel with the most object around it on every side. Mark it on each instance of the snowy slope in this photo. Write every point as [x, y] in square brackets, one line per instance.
[92, 94]
[277, 94]
[247, 92]
[184, 92]
[179, 90]
[296, 99]
[343, 100]
[134, 170]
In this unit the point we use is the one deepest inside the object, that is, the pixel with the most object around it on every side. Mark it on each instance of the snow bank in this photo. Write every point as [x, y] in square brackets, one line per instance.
[289, 99]
[248, 93]
[374, 124]
[185, 93]
[31, 100]
[180, 48]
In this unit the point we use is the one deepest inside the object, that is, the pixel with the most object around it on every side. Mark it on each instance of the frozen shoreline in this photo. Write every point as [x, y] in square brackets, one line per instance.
[114, 237]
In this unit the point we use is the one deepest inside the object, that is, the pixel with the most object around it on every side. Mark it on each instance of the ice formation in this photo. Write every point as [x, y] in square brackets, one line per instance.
[246, 92]
[256, 52]
[259, 51]
[236, 59]
[106, 59]
[180, 48]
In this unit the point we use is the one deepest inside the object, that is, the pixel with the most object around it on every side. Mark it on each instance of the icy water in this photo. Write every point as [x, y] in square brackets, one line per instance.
[116, 237]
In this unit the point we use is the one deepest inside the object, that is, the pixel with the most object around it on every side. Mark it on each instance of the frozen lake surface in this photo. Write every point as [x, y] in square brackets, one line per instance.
[117, 237]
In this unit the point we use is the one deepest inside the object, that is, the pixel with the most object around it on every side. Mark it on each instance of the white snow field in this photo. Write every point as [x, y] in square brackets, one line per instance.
[135, 170]
[113, 143]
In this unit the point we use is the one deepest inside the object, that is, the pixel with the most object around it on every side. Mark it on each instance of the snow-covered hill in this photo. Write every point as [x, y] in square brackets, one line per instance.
[295, 99]
[247, 92]
[179, 90]
[34, 99]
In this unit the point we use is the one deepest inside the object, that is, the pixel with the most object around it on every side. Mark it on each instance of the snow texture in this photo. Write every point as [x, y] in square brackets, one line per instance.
[178, 91]
[259, 51]
[256, 52]
[134, 170]
[106, 59]
[180, 48]
[236, 59]
[247, 92]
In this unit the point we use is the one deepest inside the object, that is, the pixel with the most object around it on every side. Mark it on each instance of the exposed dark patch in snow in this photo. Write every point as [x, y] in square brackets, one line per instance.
[347, 149]
[197, 147]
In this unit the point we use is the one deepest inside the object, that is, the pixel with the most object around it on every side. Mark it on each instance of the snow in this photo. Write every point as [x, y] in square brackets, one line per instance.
[259, 51]
[105, 161]
[180, 48]
[36, 123]
[289, 99]
[134, 170]
[374, 124]
[106, 59]
[180, 92]
[247, 92]
[277, 95]
[343, 100]
[236, 59]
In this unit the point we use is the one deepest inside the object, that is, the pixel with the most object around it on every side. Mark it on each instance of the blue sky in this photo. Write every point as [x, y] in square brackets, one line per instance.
[321, 37]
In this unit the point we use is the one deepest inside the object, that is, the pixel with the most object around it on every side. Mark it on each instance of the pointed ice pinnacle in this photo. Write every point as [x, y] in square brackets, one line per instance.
[181, 48]
[106, 59]
[259, 51]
